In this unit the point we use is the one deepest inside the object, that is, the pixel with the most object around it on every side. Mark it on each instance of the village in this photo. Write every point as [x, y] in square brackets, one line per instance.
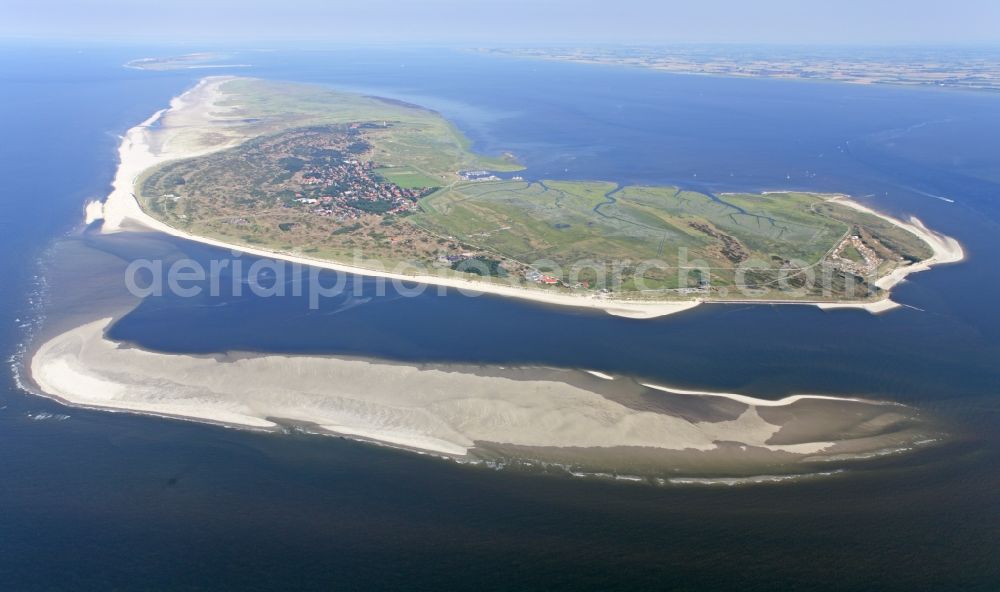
[351, 189]
[330, 175]
[867, 266]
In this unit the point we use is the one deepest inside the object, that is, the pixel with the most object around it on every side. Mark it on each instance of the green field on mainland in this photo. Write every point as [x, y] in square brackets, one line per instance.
[408, 177]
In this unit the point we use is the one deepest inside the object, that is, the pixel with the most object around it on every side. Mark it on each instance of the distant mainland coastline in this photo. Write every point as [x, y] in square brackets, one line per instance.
[971, 68]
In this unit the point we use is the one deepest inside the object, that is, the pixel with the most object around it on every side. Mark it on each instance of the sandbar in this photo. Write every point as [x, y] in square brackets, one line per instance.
[449, 411]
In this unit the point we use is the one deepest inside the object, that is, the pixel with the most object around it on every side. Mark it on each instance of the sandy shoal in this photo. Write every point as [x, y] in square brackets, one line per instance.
[426, 409]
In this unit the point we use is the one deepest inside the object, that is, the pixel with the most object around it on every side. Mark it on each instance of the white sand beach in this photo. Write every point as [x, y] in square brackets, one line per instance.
[755, 401]
[182, 132]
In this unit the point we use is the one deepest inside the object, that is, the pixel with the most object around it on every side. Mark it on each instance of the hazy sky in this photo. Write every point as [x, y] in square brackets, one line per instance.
[512, 21]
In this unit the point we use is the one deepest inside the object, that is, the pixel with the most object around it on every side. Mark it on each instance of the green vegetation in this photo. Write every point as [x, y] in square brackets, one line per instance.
[851, 253]
[408, 177]
[347, 229]
[482, 266]
[564, 223]
[411, 136]
[371, 207]
[292, 164]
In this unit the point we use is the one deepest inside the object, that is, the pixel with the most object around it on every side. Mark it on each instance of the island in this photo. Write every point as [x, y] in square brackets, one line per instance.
[381, 187]
[190, 61]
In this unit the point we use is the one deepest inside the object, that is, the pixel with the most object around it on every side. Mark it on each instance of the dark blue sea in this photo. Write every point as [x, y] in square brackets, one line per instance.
[110, 501]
